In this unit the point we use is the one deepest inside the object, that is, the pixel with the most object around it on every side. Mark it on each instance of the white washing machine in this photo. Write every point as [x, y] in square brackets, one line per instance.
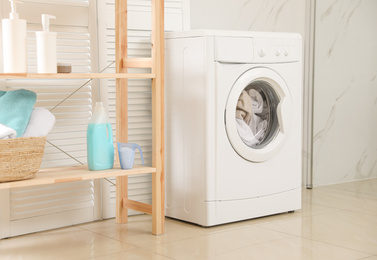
[233, 125]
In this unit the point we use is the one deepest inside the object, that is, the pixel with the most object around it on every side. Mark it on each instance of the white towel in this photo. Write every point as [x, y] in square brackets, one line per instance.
[40, 124]
[261, 127]
[7, 132]
[244, 131]
[256, 101]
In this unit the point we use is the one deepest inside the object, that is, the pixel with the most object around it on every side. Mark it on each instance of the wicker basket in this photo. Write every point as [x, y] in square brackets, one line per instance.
[20, 158]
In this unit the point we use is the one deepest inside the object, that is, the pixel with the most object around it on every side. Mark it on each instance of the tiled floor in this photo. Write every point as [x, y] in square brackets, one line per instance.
[336, 222]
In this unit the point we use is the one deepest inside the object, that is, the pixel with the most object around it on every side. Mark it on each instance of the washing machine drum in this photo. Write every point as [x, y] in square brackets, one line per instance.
[258, 114]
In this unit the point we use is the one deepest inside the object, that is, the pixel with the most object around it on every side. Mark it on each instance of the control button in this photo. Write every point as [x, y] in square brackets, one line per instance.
[278, 52]
[262, 52]
[286, 53]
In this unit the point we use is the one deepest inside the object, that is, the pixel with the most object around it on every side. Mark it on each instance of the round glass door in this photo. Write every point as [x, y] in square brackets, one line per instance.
[257, 114]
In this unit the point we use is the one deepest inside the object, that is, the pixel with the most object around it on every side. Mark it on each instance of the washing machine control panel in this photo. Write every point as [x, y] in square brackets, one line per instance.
[274, 50]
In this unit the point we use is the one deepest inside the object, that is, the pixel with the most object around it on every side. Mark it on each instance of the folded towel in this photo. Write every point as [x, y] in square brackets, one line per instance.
[244, 109]
[7, 132]
[15, 109]
[40, 124]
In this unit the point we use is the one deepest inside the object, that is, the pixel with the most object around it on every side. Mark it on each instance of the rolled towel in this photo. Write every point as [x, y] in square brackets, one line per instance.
[15, 109]
[7, 132]
[40, 124]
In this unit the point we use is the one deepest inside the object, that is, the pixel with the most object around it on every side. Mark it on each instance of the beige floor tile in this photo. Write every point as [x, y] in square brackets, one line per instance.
[217, 243]
[348, 229]
[368, 187]
[308, 209]
[369, 258]
[341, 199]
[335, 222]
[137, 254]
[292, 249]
[138, 230]
[66, 243]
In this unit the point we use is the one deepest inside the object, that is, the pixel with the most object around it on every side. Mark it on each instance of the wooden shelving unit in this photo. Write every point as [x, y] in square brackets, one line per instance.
[80, 173]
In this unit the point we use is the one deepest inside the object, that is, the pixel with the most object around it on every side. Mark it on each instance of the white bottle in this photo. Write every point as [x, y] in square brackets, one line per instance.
[46, 47]
[14, 42]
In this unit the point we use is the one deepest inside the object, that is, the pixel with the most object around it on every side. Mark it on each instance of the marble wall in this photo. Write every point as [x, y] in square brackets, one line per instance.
[249, 15]
[345, 91]
[344, 124]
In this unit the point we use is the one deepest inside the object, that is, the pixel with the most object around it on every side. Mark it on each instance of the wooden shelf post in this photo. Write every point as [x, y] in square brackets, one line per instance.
[158, 140]
[121, 102]
[158, 152]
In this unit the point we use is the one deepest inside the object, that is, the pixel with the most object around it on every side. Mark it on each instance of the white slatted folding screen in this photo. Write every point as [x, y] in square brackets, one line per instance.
[51, 206]
[139, 90]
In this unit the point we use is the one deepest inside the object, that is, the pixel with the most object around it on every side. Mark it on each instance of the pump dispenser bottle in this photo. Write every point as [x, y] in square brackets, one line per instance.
[46, 47]
[14, 42]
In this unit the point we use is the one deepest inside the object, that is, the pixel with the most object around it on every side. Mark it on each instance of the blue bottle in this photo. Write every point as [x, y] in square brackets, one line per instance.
[99, 138]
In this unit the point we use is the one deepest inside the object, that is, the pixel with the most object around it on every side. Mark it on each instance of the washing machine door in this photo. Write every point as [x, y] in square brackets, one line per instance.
[258, 114]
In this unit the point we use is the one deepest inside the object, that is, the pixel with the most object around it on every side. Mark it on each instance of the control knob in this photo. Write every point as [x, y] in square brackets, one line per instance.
[262, 52]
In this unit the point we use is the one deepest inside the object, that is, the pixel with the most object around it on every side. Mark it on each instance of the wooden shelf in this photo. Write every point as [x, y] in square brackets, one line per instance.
[77, 76]
[74, 173]
[122, 64]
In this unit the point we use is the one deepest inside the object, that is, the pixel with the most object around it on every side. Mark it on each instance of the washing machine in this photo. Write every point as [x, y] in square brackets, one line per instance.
[233, 110]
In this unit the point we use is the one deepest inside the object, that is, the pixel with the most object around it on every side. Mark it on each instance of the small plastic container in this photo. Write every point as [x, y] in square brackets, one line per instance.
[126, 153]
[100, 140]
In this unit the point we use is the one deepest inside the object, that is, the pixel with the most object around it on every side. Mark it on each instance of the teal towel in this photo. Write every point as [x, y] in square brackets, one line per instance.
[15, 109]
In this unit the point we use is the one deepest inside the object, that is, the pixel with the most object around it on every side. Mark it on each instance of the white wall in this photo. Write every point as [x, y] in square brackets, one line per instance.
[345, 91]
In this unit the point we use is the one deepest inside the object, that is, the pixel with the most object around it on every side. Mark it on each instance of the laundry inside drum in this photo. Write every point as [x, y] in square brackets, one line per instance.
[256, 115]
